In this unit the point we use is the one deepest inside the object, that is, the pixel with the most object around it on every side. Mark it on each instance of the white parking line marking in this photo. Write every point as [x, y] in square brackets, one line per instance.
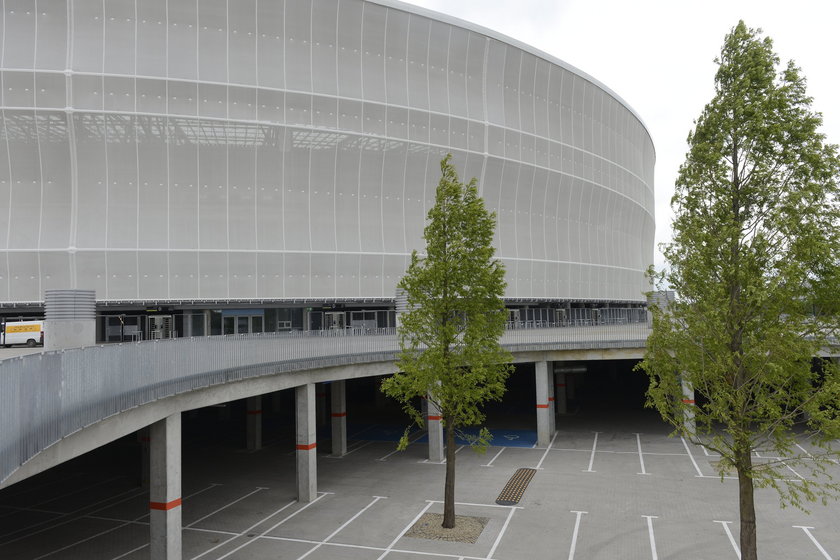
[133, 550]
[477, 505]
[500, 535]
[134, 493]
[658, 453]
[263, 520]
[729, 534]
[420, 435]
[545, 453]
[240, 547]
[779, 459]
[117, 520]
[690, 456]
[592, 456]
[375, 548]
[404, 531]
[345, 524]
[112, 529]
[641, 456]
[440, 462]
[650, 519]
[813, 540]
[52, 498]
[351, 450]
[575, 533]
[214, 531]
[496, 456]
[835, 461]
[799, 476]
[200, 519]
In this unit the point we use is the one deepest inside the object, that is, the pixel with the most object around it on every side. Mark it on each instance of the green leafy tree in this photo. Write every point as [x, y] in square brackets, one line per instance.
[449, 337]
[754, 261]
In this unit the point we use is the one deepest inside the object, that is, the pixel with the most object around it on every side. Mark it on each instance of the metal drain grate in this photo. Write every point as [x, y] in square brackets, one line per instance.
[513, 490]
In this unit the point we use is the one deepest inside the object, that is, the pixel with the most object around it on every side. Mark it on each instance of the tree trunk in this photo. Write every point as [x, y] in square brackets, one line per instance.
[449, 489]
[746, 501]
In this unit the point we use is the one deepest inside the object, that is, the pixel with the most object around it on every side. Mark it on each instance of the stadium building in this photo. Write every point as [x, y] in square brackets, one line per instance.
[224, 167]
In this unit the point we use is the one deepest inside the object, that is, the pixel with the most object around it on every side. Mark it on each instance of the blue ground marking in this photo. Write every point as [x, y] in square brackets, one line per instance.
[376, 432]
[501, 437]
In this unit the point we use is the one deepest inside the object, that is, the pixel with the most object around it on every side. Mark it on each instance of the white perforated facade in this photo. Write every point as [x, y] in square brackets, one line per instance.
[276, 150]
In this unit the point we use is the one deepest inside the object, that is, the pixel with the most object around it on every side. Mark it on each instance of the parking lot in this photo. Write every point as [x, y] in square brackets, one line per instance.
[610, 485]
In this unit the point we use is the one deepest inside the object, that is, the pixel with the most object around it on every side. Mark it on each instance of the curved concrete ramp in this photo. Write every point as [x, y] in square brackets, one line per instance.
[58, 405]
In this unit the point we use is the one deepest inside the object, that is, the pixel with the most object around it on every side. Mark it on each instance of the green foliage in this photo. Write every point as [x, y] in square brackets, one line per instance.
[754, 260]
[449, 338]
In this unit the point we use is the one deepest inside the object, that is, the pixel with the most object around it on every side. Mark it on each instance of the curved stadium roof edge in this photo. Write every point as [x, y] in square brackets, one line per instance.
[453, 20]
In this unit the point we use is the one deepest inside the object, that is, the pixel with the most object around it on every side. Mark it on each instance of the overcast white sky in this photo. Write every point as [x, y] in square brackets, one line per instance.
[658, 56]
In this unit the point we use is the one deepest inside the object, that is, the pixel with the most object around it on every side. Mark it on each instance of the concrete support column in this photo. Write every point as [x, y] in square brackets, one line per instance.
[435, 429]
[321, 411]
[560, 401]
[253, 411]
[543, 424]
[338, 414]
[306, 472]
[688, 413]
[552, 409]
[165, 489]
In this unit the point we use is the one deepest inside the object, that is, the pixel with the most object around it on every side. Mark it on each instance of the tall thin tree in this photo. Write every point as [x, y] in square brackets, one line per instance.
[754, 261]
[449, 337]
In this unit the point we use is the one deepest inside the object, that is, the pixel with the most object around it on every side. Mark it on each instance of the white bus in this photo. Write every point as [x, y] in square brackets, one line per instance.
[30, 333]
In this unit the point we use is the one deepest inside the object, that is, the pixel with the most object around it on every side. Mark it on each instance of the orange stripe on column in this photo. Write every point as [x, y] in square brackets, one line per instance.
[688, 401]
[305, 447]
[338, 414]
[434, 417]
[542, 406]
[550, 399]
[165, 506]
